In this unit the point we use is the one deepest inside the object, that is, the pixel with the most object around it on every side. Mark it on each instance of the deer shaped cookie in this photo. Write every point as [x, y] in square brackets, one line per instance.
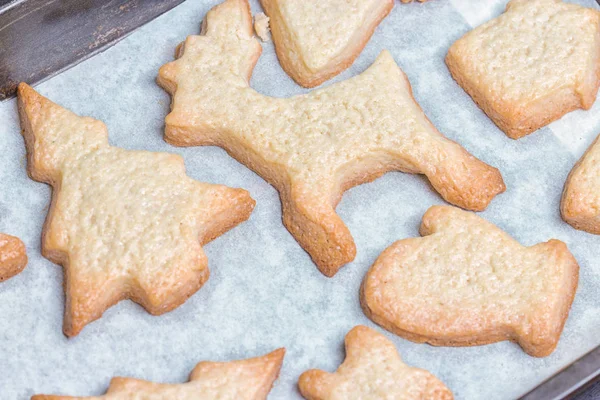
[468, 283]
[124, 224]
[249, 379]
[312, 147]
[372, 370]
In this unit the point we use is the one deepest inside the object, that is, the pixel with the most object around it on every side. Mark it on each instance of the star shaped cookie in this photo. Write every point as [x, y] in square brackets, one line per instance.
[124, 224]
[249, 379]
[312, 147]
[372, 370]
[466, 282]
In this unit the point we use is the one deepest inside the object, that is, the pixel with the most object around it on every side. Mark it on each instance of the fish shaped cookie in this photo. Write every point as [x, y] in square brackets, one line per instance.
[466, 283]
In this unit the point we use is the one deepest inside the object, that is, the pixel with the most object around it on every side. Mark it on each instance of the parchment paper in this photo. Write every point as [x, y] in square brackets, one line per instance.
[264, 292]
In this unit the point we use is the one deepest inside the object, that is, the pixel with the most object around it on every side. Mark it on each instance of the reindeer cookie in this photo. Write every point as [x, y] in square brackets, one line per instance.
[13, 257]
[468, 283]
[372, 370]
[312, 147]
[249, 379]
[124, 224]
[317, 39]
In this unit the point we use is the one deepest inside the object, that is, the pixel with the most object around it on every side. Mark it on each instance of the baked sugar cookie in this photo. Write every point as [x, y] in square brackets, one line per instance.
[531, 65]
[317, 39]
[13, 257]
[249, 379]
[466, 282]
[312, 147]
[123, 224]
[372, 370]
[580, 205]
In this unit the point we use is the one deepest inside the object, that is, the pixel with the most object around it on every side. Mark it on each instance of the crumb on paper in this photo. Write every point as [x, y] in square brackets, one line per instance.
[261, 26]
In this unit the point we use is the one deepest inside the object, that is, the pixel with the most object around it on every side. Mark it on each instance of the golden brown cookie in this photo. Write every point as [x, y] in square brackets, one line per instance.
[123, 224]
[372, 370]
[531, 65]
[467, 283]
[580, 205]
[13, 257]
[312, 147]
[317, 39]
[249, 379]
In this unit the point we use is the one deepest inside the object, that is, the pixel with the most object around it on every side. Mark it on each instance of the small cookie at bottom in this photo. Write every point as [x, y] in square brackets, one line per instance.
[373, 369]
[467, 283]
[249, 379]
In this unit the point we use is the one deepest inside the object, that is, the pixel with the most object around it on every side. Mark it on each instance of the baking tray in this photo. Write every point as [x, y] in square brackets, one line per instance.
[264, 292]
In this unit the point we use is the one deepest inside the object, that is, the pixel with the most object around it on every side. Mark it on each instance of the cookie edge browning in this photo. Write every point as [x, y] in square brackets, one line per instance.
[15, 264]
[273, 361]
[29, 99]
[513, 119]
[363, 336]
[572, 211]
[303, 76]
[532, 344]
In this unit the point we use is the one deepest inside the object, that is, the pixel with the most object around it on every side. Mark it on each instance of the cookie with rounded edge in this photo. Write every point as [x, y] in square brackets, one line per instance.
[467, 283]
[317, 39]
[250, 379]
[372, 370]
[13, 256]
[123, 224]
[580, 204]
[312, 147]
[531, 65]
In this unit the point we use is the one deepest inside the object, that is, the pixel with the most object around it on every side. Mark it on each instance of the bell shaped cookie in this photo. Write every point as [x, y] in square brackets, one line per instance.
[312, 147]
[249, 379]
[466, 283]
[13, 257]
[372, 370]
[123, 224]
[317, 39]
[531, 65]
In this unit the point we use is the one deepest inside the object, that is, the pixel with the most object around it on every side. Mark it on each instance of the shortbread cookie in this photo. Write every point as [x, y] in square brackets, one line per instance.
[410, 1]
[531, 65]
[124, 224]
[13, 257]
[580, 205]
[468, 283]
[312, 147]
[317, 39]
[249, 379]
[372, 370]
[261, 26]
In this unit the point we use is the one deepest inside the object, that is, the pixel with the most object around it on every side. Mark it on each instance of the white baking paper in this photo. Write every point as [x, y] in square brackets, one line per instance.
[264, 292]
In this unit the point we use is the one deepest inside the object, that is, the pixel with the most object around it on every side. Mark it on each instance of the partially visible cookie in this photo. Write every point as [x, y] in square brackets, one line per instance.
[317, 39]
[312, 147]
[372, 370]
[410, 1]
[249, 379]
[13, 257]
[123, 224]
[466, 283]
[580, 205]
[261, 27]
[531, 65]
